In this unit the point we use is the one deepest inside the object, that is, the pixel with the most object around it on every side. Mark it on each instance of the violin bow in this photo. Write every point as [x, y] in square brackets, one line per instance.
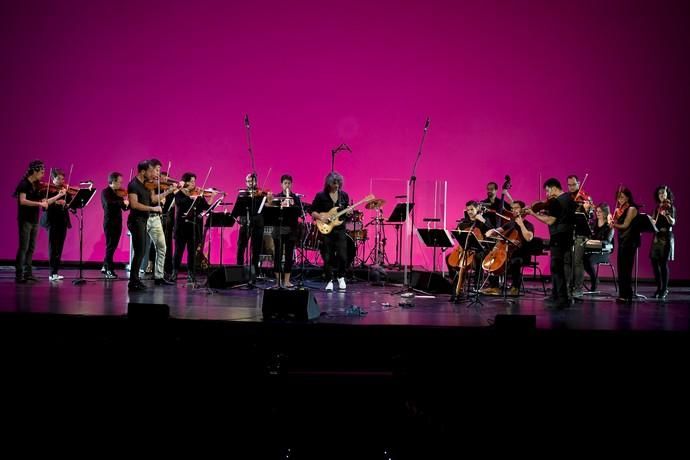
[50, 175]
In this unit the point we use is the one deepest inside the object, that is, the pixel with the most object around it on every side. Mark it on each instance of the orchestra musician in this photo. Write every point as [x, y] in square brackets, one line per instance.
[334, 251]
[559, 216]
[602, 234]
[114, 201]
[56, 220]
[29, 200]
[662, 250]
[141, 206]
[285, 237]
[575, 272]
[496, 205]
[628, 241]
[473, 218]
[522, 254]
[189, 204]
[254, 227]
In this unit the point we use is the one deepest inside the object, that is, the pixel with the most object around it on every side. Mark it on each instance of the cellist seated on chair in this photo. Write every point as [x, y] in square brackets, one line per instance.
[457, 262]
[520, 252]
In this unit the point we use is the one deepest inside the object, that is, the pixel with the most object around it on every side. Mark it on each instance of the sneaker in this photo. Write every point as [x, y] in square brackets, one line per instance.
[329, 286]
[341, 284]
[103, 270]
[110, 275]
[53, 278]
[60, 277]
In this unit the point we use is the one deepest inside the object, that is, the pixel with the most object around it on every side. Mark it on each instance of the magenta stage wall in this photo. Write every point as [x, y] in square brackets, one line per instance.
[527, 88]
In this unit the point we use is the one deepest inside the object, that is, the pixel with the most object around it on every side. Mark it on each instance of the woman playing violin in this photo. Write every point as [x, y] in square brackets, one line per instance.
[628, 241]
[663, 245]
[114, 200]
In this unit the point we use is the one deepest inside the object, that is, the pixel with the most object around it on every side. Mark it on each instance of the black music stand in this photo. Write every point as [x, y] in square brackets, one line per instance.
[397, 218]
[250, 207]
[280, 217]
[219, 220]
[78, 203]
[468, 242]
[435, 238]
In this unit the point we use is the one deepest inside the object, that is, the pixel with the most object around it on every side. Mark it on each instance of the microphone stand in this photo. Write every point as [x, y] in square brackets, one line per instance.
[339, 148]
[407, 282]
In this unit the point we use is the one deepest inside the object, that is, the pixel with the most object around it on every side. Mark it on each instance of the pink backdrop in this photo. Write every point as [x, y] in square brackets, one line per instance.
[528, 88]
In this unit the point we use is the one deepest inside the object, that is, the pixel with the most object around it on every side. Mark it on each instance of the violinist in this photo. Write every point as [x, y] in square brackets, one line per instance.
[473, 218]
[334, 251]
[628, 241]
[559, 216]
[576, 271]
[140, 208]
[189, 204]
[603, 232]
[29, 200]
[285, 237]
[154, 226]
[663, 244]
[496, 205]
[56, 220]
[114, 201]
[252, 224]
[520, 255]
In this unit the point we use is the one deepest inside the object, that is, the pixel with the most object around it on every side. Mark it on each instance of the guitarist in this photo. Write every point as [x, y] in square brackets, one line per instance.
[334, 249]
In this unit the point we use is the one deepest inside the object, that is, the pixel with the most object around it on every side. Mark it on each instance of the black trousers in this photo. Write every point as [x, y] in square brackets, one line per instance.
[186, 239]
[28, 232]
[626, 263]
[334, 254]
[56, 242]
[590, 261]
[256, 234]
[660, 254]
[284, 245]
[113, 232]
[561, 255]
[137, 227]
[517, 260]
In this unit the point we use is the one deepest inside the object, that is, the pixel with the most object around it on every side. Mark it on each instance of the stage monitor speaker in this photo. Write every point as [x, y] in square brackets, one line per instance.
[515, 323]
[290, 305]
[147, 311]
[430, 282]
[227, 276]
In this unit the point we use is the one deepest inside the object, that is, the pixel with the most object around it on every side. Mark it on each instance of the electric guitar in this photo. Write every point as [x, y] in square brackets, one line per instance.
[332, 216]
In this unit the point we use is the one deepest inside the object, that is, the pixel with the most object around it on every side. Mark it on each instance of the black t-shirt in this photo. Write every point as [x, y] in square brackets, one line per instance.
[563, 209]
[512, 225]
[143, 194]
[323, 203]
[57, 215]
[603, 233]
[629, 237]
[113, 206]
[28, 213]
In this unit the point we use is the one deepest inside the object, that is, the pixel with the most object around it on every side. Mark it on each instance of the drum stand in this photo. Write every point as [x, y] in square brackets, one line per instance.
[378, 256]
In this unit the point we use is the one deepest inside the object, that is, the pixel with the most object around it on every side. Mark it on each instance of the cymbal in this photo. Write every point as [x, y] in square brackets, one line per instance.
[375, 204]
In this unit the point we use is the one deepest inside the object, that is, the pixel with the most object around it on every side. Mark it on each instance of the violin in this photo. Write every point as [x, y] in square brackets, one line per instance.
[618, 213]
[207, 193]
[51, 188]
[665, 205]
[121, 192]
[540, 206]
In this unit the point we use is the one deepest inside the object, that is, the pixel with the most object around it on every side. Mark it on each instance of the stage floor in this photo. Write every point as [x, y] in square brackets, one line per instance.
[98, 297]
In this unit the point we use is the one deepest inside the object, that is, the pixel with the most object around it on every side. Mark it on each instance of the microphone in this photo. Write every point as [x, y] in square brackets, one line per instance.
[347, 147]
[426, 126]
[246, 121]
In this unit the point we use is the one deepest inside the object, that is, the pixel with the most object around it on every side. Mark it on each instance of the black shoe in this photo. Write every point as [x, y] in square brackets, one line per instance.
[136, 286]
[163, 282]
[626, 300]
[30, 278]
[111, 275]
[173, 277]
[663, 294]
[20, 280]
[657, 293]
[557, 304]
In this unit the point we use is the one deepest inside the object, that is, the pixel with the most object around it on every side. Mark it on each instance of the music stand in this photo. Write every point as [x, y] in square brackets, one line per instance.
[78, 203]
[280, 217]
[219, 220]
[397, 218]
[468, 242]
